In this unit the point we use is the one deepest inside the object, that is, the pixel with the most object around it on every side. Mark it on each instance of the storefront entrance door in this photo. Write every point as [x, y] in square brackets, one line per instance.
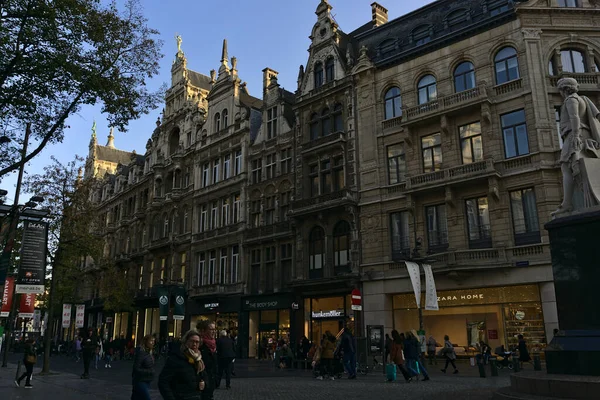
[320, 326]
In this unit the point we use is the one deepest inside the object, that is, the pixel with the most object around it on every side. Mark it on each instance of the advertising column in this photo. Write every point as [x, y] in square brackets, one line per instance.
[32, 270]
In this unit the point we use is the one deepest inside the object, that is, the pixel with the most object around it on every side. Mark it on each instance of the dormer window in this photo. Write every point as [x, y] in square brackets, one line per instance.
[421, 35]
[329, 70]
[456, 17]
[318, 75]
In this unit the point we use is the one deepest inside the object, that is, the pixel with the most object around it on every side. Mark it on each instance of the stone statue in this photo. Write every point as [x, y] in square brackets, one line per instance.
[179, 40]
[580, 155]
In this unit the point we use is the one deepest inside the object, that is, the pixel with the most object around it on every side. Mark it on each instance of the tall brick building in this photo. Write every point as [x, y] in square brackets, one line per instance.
[431, 136]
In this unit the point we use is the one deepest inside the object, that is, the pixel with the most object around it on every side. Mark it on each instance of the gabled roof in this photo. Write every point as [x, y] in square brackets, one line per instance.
[199, 80]
[250, 101]
[113, 155]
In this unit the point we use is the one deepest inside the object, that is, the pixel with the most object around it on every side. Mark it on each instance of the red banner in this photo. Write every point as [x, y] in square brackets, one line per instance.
[27, 305]
[7, 296]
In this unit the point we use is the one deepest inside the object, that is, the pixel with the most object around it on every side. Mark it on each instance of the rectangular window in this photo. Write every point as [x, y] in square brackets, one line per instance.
[270, 256]
[201, 270]
[223, 266]
[338, 174]
[226, 166]
[471, 146]
[272, 122]
[256, 170]
[203, 218]
[400, 234]
[211, 267]
[237, 204]
[286, 160]
[567, 3]
[432, 152]
[225, 212]
[141, 277]
[284, 206]
[205, 175]
[237, 169]
[525, 218]
[557, 119]
[255, 211]
[233, 271]
[396, 163]
[314, 180]
[514, 131]
[271, 165]
[270, 210]
[326, 180]
[437, 228]
[286, 263]
[255, 270]
[478, 223]
[214, 215]
[215, 175]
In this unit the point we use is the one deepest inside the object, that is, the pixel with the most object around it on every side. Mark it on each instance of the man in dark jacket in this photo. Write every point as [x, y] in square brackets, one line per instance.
[349, 348]
[88, 346]
[143, 369]
[225, 354]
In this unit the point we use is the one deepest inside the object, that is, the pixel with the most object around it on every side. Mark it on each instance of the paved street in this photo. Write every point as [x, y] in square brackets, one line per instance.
[287, 384]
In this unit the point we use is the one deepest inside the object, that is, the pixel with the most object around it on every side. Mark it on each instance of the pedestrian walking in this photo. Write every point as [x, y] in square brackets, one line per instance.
[431, 349]
[348, 346]
[109, 350]
[327, 355]
[388, 346]
[449, 354]
[29, 360]
[397, 355]
[412, 352]
[524, 356]
[87, 349]
[98, 353]
[143, 369]
[208, 349]
[184, 375]
[77, 349]
[225, 354]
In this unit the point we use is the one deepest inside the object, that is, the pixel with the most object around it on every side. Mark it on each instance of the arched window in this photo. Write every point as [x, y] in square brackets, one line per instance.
[325, 122]
[217, 122]
[421, 35]
[341, 244]
[427, 89]
[185, 221]
[329, 70]
[506, 65]
[174, 142]
[464, 77]
[456, 17]
[387, 48]
[224, 121]
[173, 227]
[393, 103]
[316, 252]
[338, 121]
[155, 227]
[314, 126]
[318, 75]
[573, 61]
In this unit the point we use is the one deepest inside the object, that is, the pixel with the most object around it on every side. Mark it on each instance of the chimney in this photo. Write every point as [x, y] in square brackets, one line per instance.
[380, 14]
[269, 78]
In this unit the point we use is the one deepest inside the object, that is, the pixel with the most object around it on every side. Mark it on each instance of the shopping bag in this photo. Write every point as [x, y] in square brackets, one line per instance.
[390, 372]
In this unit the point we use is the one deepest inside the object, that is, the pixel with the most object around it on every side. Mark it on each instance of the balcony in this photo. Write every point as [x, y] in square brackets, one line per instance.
[229, 288]
[588, 80]
[259, 233]
[320, 203]
[220, 185]
[340, 270]
[212, 233]
[508, 87]
[476, 259]
[447, 176]
[442, 104]
[334, 138]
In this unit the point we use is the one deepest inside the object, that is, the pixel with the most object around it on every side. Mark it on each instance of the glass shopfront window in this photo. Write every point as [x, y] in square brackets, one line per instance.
[326, 314]
[268, 327]
[223, 321]
[493, 315]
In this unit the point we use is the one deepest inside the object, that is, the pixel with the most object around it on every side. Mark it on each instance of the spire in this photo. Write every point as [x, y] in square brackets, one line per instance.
[93, 140]
[224, 56]
[111, 140]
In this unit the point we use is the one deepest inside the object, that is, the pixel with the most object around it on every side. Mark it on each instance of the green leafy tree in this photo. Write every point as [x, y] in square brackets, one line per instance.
[58, 55]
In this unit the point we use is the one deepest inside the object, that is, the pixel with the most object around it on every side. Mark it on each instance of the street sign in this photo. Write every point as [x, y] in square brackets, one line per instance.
[356, 300]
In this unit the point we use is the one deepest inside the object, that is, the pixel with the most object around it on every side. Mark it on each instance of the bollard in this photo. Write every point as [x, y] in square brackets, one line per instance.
[516, 364]
[537, 363]
[481, 369]
[493, 366]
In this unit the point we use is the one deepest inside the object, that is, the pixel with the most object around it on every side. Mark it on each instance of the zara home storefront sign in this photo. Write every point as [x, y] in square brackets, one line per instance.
[475, 297]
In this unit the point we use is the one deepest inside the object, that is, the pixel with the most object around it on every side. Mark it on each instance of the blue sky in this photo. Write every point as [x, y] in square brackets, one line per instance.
[260, 33]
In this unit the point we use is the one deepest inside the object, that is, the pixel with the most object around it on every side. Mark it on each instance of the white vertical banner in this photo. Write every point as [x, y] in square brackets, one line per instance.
[66, 315]
[415, 278]
[37, 320]
[431, 298]
[79, 315]
[44, 323]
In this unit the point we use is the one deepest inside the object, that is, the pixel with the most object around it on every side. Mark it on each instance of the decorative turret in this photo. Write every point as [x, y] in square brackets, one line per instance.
[93, 139]
[224, 68]
[300, 76]
[179, 64]
[111, 139]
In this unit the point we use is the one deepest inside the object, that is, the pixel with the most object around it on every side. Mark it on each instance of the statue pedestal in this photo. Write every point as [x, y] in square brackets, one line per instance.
[575, 249]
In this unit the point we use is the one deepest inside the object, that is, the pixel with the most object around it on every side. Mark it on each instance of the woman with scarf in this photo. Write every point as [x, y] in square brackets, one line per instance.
[184, 376]
[208, 349]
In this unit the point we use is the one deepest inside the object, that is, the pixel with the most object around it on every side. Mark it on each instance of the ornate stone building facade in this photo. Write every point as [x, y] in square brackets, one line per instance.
[431, 137]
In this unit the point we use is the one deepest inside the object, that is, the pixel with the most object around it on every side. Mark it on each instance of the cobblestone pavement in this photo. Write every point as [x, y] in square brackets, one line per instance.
[67, 386]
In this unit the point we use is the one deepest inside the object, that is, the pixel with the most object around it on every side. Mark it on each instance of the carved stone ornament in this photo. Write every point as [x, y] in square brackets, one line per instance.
[531, 33]
[580, 155]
